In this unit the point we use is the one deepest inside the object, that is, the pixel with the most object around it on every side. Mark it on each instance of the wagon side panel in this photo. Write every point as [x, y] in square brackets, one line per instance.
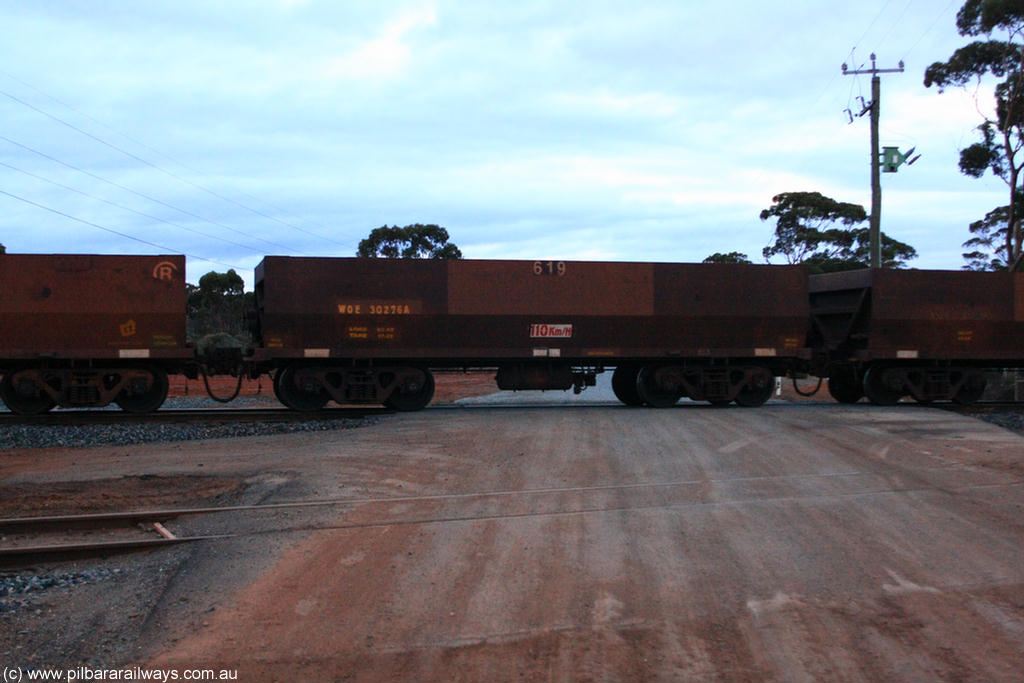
[484, 311]
[92, 306]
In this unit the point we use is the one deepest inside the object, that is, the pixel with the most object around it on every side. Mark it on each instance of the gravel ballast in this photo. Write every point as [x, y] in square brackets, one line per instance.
[31, 436]
[84, 436]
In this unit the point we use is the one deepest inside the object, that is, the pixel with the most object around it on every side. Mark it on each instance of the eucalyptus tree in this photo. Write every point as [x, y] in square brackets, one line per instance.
[412, 241]
[998, 52]
[822, 233]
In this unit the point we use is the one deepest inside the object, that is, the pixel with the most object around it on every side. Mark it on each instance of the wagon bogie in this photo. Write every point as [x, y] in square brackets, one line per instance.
[311, 387]
[38, 388]
[886, 384]
[663, 385]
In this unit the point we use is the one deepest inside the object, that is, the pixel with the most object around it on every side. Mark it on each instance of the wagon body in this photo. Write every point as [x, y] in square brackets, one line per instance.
[478, 312]
[91, 306]
[85, 330]
[922, 333]
[369, 330]
[877, 314]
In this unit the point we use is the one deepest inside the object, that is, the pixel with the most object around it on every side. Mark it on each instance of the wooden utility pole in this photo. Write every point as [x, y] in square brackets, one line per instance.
[876, 162]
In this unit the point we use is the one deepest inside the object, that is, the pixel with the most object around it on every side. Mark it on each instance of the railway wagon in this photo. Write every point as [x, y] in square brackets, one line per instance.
[88, 330]
[886, 334]
[370, 330]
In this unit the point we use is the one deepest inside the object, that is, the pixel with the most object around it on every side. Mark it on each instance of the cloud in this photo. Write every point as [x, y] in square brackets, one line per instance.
[596, 130]
[388, 55]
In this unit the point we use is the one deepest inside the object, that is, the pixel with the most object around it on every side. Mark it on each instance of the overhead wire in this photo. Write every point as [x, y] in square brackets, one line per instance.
[930, 28]
[141, 194]
[872, 24]
[148, 163]
[855, 81]
[893, 25]
[58, 212]
[853, 50]
[128, 208]
[132, 156]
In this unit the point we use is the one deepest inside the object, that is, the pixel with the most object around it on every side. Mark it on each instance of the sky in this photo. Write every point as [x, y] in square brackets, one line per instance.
[639, 131]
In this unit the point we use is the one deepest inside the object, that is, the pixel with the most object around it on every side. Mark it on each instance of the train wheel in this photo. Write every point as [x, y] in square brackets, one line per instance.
[878, 390]
[412, 394]
[295, 397]
[757, 390]
[653, 393]
[144, 400]
[277, 388]
[624, 385]
[25, 402]
[845, 387]
[971, 390]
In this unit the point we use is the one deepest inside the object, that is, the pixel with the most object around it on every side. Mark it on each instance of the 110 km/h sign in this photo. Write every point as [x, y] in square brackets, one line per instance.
[545, 331]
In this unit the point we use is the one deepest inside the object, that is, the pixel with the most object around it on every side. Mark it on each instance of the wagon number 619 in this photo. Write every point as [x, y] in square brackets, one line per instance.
[549, 268]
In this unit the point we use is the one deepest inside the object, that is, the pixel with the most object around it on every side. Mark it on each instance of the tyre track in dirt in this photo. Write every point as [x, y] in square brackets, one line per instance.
[787, 543]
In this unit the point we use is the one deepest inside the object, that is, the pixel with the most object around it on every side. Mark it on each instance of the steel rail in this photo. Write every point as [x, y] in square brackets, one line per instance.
[190, 415]
[42, 524]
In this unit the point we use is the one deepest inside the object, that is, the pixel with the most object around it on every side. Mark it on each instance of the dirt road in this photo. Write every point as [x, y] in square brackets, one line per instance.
[796, 542]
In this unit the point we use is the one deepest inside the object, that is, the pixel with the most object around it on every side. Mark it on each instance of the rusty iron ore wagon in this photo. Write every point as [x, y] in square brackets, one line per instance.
[923, 333]
[371, 330]
[88, 330]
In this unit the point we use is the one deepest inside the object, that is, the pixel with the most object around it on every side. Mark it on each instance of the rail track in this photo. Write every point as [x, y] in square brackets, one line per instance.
[215, 415]
[252, 415]
[28, 541]
[31, 540]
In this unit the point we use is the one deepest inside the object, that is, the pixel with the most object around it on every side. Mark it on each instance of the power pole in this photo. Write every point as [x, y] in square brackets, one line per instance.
[876, 183]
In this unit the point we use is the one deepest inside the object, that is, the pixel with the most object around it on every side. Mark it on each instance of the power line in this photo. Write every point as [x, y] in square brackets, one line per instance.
[115, 147]
[127, 208]
[147, 162]
[928, 30]
[893, 25]
[140, 194]
[111, 230]
[872, 24]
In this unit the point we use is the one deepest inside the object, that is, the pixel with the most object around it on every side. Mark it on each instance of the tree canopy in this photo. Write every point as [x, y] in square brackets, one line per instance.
[217, 307]
[820, 232]
[988, 244]
[998, 238]
[411, 241]
[731, 257]
[215, 284]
